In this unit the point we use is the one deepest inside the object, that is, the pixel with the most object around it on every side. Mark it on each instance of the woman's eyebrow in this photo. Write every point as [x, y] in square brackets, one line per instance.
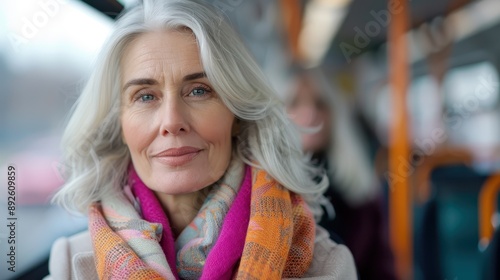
[194, 76]
[140, 81]
[145, 81]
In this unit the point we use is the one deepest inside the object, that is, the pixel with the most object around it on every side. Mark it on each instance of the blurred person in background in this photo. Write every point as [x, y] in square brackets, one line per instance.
[330, 137]
[186, 163]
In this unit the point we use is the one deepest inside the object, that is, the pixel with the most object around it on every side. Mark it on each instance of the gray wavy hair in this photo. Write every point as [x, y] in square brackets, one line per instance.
[96, 159]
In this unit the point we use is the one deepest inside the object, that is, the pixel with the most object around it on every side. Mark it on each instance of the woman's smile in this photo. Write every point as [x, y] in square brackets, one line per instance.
[177, 156]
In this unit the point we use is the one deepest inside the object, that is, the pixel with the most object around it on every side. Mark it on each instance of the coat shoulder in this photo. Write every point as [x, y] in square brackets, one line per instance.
[330, 260]
[72, 258]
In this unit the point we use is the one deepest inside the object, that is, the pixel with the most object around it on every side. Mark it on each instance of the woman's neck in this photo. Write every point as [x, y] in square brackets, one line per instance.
[181, 209]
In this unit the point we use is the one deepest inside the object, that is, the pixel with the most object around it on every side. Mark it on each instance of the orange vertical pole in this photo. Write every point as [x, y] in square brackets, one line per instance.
[400, 214]
[292, 18]
[487, 206]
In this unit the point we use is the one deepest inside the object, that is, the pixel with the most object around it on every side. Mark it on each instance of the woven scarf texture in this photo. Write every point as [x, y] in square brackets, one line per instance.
[248, 227]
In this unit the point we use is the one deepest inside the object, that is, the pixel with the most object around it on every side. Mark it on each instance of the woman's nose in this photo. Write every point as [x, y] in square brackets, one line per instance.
[173, 118]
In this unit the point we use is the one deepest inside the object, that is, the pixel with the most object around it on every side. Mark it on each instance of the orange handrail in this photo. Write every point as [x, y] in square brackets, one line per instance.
[399, 199]
[487, 206]
[440, 158]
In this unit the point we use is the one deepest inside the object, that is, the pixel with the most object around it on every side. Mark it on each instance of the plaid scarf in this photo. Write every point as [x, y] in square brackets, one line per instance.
[267, 232]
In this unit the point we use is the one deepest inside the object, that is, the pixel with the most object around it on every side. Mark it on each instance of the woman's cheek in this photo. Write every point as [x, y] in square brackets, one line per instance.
[137, 128]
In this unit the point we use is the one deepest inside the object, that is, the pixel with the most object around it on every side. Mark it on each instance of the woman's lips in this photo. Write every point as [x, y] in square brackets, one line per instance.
[177, 156]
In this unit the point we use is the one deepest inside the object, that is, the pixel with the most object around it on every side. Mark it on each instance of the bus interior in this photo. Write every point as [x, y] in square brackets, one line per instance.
[421, 78]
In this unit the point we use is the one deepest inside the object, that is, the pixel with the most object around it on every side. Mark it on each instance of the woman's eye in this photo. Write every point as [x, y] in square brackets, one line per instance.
[146, 97]
[199, 91]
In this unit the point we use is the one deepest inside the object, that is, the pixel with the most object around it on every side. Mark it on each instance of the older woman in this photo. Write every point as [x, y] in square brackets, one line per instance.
[186, 163]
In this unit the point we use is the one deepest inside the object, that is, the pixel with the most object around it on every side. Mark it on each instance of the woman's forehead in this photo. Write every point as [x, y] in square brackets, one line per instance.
[168, 52]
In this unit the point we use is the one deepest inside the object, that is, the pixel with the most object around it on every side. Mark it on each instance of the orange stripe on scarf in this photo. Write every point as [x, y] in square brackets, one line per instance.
[281, 232]
[114, 259]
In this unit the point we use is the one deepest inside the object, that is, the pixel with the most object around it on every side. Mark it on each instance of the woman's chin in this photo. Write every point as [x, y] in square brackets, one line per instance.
[178, 182]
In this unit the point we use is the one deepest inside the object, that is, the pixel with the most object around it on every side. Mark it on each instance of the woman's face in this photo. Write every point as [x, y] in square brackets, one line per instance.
[309, 109]
[176, 128]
